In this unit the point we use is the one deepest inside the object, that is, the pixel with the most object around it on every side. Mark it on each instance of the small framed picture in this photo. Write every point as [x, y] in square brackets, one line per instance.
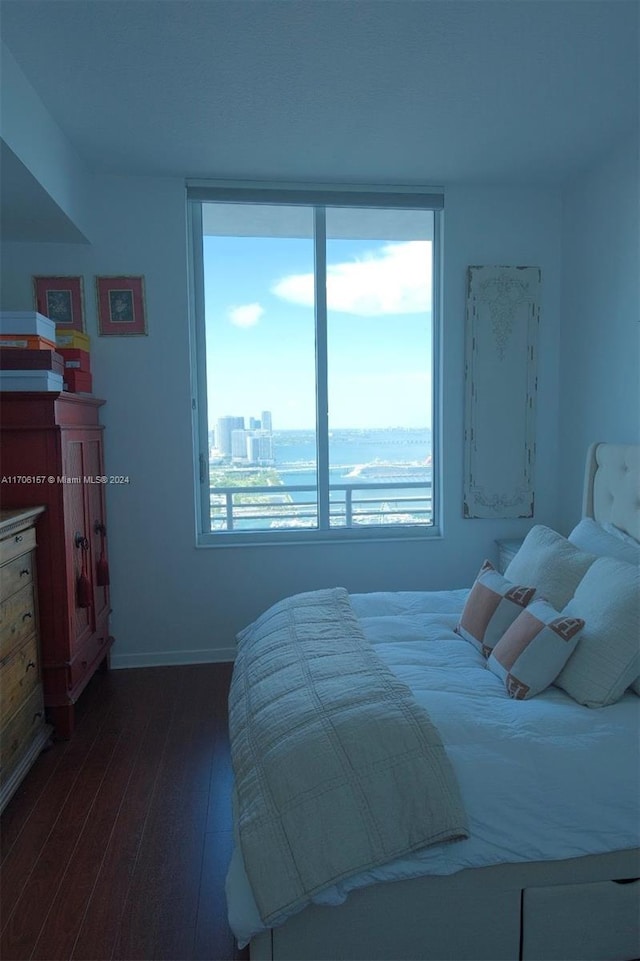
[61, 299]
[121, 308]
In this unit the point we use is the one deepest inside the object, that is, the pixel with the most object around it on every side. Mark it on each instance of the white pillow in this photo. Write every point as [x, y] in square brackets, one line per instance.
[551, 564]
[590, 536]
[534, 649]
[607, 659]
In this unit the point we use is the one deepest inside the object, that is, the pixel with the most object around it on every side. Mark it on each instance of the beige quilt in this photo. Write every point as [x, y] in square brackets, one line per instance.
[337, 768]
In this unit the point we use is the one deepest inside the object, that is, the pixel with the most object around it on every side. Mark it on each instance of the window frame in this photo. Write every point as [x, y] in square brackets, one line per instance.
[318, 197]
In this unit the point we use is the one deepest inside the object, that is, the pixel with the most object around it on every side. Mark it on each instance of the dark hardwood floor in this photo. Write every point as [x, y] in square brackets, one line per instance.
[116, 844]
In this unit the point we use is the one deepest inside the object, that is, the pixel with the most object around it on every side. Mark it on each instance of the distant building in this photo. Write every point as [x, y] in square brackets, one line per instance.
[239, 444]
[260, 447]
[266, 421]
[224, 430]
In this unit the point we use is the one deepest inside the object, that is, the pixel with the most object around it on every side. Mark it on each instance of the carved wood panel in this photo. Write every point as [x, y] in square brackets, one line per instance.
[500, 391]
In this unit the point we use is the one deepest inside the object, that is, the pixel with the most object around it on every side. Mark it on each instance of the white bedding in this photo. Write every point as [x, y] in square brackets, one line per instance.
[521, 765]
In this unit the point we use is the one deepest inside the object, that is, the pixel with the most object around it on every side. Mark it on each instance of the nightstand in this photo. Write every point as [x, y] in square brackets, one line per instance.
[507, 550]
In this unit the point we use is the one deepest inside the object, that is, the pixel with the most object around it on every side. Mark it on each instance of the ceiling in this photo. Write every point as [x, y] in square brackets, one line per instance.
[353, 91]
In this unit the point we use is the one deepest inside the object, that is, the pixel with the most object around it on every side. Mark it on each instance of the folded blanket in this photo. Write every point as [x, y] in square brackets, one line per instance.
[337, 768]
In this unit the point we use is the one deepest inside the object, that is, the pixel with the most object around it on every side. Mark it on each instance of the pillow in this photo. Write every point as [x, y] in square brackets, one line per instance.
[621, 535]
[596, 538]
[607, 659]
[549, 562]
[492, 605]
[532, 652]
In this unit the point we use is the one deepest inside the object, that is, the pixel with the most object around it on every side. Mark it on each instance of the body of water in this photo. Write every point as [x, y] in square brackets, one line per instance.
[295, 449]
[355, 457]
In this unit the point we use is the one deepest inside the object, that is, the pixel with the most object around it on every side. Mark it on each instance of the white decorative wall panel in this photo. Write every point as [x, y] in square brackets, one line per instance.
[500, 391]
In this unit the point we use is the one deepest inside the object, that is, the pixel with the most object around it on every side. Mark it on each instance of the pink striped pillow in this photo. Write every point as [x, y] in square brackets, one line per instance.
[492, 605]
[534, 649]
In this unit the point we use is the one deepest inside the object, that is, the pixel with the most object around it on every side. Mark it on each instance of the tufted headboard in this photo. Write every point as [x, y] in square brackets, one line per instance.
[612, 486]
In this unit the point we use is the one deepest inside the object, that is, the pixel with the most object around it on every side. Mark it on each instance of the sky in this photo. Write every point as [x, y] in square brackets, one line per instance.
[260, 331]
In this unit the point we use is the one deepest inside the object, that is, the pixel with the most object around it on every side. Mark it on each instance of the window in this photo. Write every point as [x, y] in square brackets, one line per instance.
[315, 362]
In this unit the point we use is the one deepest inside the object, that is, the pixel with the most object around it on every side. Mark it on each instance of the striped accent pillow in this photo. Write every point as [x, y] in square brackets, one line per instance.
[534, 649]
[492, 605]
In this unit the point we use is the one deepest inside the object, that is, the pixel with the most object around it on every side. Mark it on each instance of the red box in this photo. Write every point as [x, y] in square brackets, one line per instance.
[76, 359]
[21, 358]
[78, 381]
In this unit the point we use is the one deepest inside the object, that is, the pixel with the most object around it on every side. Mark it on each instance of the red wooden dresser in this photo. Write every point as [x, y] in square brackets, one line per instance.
[51, 453]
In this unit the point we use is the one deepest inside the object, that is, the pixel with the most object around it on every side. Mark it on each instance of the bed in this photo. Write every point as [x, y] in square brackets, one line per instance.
[533, 851]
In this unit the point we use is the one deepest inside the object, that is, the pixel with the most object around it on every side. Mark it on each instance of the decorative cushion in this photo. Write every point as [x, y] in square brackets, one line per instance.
[492, 605]
[607, 659]
[551, 564]
[600, 540]
[532, 652]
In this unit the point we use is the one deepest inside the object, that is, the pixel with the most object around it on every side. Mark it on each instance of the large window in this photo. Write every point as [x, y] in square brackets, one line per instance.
[315, 359]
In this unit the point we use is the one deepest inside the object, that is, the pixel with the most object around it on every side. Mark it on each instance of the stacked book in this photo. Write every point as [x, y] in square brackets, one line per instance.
[74, 348]
[28, 356]
[34, 355]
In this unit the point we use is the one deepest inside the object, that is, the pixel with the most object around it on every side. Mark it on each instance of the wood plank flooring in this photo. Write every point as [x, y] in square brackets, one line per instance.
[117, 843]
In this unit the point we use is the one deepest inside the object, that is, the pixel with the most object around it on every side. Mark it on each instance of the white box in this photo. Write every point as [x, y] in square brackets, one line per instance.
[31, 380]
[27, 322]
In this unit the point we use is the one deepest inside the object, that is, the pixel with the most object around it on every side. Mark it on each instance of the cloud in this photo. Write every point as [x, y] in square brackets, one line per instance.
[245, 315]
[395, 279]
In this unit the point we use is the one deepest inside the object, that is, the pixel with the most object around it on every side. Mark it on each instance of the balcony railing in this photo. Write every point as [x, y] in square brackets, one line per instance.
[295, 506]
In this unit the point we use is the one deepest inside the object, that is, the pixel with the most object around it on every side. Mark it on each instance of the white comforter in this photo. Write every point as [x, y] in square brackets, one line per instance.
[544, 779]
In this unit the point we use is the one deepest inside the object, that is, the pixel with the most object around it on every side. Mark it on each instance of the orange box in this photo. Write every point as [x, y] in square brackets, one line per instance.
[26, 342]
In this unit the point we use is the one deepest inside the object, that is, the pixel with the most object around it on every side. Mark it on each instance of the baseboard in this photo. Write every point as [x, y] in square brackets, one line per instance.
[168, 658]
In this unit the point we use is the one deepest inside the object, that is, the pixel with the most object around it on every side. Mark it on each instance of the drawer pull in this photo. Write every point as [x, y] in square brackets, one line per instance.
[17, 539]
[30, 665]
[26, 616]
[25, 572]
[37, 715]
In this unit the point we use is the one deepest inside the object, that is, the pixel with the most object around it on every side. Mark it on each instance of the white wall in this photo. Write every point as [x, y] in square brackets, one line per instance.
[600, 339]
[172, 601]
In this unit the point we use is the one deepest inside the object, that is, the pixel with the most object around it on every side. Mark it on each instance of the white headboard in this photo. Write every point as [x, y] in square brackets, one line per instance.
[612, 486]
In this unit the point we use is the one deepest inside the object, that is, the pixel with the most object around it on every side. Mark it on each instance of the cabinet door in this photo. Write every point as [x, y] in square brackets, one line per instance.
[97, 524]
[77, 538]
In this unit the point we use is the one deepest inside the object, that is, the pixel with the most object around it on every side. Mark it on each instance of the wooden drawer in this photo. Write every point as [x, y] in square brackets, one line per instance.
[19, 730]
[582, 922]
[19, 674]
[83, 663]
[17, 544]
[17, 619]
[16, 574]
